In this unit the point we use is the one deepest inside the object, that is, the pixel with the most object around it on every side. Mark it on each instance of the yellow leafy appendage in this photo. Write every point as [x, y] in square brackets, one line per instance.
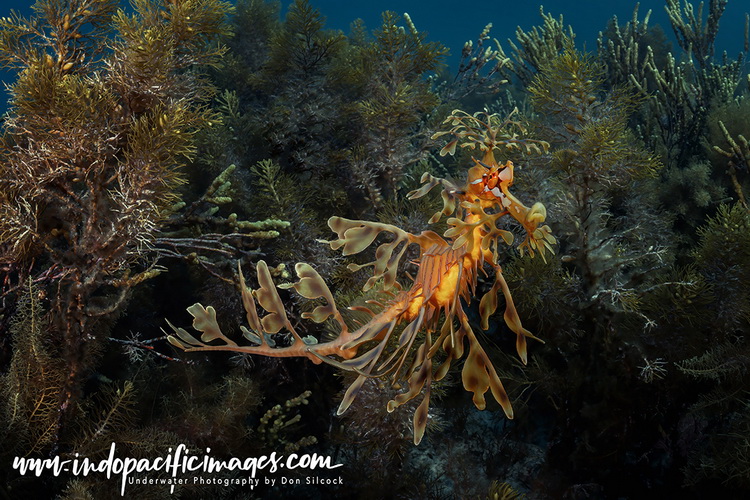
[448, 270]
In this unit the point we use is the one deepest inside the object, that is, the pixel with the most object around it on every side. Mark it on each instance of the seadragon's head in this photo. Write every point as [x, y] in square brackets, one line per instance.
[487, 182]
[486, 195]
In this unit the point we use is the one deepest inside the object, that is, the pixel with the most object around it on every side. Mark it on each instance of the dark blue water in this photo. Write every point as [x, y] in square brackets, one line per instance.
[455, 22]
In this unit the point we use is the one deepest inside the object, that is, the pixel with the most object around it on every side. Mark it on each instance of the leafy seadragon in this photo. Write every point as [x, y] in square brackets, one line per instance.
[448, 270]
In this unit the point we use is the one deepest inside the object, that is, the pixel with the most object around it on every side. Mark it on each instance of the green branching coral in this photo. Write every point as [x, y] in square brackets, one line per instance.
[681, 89]
[738, 154]
[539, 46]
[276, 421]
[682, 103]
[693, 35]
[683, 99]
[623, 49]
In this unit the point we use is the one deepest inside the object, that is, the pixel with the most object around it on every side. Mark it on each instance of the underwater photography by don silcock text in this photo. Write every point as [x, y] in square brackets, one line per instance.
[264, 249]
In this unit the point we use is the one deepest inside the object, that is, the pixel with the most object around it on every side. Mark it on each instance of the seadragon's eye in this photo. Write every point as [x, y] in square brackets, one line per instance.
[492, 181]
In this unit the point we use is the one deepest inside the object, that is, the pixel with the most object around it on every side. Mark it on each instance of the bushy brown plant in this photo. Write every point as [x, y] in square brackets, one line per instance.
[102, 117]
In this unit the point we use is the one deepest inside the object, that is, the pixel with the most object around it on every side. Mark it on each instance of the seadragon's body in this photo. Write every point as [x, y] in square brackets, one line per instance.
[402, 339]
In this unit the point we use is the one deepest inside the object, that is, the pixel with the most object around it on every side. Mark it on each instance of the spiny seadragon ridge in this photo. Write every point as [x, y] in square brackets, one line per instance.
[447, 274]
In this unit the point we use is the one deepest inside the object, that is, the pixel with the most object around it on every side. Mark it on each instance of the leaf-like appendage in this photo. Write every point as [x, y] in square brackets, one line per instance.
[352, 233]
[405, 341]
[204, 320]
[478, 375]
[350, 394]
[182, 338]
[450, 148]
[312, 286]
[512, 319]
[269, 299]
[359, 238]
[447, 194]
[248, 302]
[449, 206]
[421, 377]
[421, 414]
[488, 305]
[416, 381]
[429, 182]
[461, 233]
